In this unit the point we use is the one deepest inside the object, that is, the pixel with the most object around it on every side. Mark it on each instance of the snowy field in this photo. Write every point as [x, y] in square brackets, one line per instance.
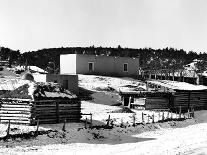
[188, 140]
[154, 139]
[100, 114]
[95, 83]
[119, 140]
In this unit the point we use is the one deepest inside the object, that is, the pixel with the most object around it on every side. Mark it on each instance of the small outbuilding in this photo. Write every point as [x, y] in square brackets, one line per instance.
[165, 94]
[41, 102]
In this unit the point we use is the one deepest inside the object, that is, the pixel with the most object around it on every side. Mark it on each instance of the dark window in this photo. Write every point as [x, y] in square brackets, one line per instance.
[125, 67]
[90, 66]
[65, 84]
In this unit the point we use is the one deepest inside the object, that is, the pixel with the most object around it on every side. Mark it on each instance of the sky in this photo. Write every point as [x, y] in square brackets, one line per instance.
[35, 24]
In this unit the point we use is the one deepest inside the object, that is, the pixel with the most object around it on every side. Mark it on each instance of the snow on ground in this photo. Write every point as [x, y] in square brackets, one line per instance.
[164, 141]
[127, 140]
[11, 83]
[18, 129]
[93, 82]
[177, 85]
[100, 114]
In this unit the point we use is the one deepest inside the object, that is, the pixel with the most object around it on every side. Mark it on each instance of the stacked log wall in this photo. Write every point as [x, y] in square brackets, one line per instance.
[188, 99]
[156, 103]
[17, 111]
[57, 111]
[28, 112]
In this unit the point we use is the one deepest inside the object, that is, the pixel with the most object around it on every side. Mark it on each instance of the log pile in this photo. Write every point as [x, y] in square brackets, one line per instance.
[46, 111]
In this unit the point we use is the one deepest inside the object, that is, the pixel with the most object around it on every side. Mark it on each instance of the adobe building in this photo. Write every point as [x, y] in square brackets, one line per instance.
[69, 82]
[98, 65]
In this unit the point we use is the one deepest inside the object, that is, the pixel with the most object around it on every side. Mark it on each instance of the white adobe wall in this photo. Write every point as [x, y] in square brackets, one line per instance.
[68, 64]
[103, 65]
[72, 81]
[133, 66]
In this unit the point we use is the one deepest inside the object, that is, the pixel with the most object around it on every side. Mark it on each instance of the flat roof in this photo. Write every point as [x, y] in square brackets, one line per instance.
[175, 85]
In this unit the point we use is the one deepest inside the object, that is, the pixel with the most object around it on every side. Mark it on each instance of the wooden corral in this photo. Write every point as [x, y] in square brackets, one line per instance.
[146, 99]
[164, 94]
[187, 99]
[184, 95]
[22, 111]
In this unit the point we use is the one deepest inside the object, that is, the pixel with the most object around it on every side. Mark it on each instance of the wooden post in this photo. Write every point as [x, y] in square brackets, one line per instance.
[148, 118]
[180, 112]
[134, 118]
[63, 129]
[8, 129]
[163, 116]
[189, 94]
[153, 118]
[86, 123]
[0, 108]
[57, 112]
[188, 113]
[168, 115]
[143, 118]
[108, 120]
[37, 127]
[129, 105]
[122, 100]
[171, 115]
[193, 112]
[91, 120]
[159, 116]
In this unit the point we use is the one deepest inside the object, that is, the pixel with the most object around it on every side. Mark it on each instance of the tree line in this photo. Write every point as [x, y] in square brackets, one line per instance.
[150, 59]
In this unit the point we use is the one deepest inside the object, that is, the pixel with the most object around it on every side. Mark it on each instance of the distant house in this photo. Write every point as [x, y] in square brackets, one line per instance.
[69, 82]
[98, 65]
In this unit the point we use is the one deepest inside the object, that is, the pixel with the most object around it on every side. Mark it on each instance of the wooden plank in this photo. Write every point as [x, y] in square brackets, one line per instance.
[16, 122]
[14, 109]
[57, 112]
[45, 108]
[14, 115]
[50, 101]
[14, 112]
[54, 116]
[15, 106]
[15, 118]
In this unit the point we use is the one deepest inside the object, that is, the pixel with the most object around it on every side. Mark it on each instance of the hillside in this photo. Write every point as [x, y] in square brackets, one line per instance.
[104, 89]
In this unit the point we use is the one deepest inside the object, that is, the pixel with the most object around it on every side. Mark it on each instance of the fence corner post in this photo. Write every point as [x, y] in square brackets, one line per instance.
[91, 120]
[37, 128]
[8, 129]
[63, 129]
[153, 118]
[134, 118]
[86, 123]
[108, 120]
